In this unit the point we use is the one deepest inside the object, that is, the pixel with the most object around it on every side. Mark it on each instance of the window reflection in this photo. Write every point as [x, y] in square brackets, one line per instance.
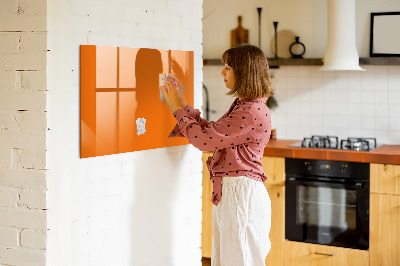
[120, 85]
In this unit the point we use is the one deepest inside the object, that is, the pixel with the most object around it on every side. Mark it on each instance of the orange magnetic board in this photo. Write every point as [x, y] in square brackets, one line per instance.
[121, 110]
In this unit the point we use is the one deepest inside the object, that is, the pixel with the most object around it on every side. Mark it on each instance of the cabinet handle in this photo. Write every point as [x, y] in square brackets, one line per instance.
[324, 254]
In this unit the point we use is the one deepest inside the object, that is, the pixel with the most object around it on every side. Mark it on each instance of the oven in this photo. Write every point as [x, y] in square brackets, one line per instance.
[327, 202]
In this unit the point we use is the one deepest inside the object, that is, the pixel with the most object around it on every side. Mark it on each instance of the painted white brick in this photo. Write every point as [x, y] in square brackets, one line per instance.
[14, 21]
[5, 159]
[98, 222]
[9, 42]
[23, 178]
[35, 120]
[33, 239]
[31, 80]
[178, 7]
[8, 237]
[17, 256]
[197, 166]
[8, 80]
[33, 159]
[34, 8]
[191, 23]
[23, 100]
[8, 197]
[8, 6]
[22, 218]
[150, 5]
[33, 199]
[114, 186]
[80, 227]
[34, 140]
[32, 55]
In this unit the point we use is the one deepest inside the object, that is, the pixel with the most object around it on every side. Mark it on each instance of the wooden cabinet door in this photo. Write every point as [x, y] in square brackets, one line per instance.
[385, 178]
[304, 254]
[206, 225]
[274, 168]
[384, 236]
[277, 233]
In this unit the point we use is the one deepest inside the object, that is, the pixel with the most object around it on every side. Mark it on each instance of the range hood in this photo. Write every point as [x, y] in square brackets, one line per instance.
[341, 51]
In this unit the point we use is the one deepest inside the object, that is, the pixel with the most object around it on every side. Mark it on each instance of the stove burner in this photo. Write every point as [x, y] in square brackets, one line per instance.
[328, 142]
[358, 144]
[332, 142]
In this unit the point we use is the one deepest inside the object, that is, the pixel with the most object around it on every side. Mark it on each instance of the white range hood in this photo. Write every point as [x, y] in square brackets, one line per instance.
[341, 51]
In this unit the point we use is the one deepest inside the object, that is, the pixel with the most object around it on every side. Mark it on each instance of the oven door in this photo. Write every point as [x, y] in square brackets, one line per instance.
[327, 213]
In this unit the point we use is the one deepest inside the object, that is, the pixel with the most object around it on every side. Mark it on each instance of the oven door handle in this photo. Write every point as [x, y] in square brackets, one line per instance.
[357, 185]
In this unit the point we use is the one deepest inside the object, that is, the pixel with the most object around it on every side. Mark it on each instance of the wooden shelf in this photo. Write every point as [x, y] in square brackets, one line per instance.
[380, 61]
[273, 63]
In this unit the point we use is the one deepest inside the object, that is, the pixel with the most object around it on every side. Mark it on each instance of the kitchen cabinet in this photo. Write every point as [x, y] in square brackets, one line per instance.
[206, 225]
[385, 215]
[385, 178]
[274, 168]
[305, 254]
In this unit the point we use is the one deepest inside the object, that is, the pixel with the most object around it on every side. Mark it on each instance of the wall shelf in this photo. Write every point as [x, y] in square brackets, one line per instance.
[380, 61]
[274, 63]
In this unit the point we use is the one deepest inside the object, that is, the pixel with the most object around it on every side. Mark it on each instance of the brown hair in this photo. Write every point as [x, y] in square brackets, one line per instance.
[250, 66]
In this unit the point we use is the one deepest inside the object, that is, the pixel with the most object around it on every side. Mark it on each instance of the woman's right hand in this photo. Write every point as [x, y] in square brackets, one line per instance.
[181, 89]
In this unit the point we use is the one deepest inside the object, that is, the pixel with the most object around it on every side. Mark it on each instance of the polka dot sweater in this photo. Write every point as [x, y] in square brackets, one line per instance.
[238, 139]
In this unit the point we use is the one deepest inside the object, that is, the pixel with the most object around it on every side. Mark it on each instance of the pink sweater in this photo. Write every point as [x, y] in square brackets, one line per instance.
[238, 139]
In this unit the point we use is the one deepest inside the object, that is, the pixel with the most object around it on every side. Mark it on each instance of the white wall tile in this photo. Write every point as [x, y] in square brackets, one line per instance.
[367, 99]
[394, 97]
[381, 110]
[394, 110]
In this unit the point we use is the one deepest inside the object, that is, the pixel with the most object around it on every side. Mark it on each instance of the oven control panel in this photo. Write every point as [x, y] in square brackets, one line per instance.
[337, 169]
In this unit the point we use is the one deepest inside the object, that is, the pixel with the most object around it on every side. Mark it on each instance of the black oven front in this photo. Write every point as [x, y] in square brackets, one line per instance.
[327, 202]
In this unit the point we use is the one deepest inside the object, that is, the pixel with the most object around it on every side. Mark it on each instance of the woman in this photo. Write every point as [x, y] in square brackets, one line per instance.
[242, 208]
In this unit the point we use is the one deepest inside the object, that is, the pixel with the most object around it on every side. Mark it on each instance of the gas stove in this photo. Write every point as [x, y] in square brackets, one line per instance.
[332, 142]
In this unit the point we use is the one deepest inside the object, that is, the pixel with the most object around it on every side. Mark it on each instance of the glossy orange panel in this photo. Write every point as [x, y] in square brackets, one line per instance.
[127, 67]
[126, 118]
[106, 122]
[119, 86]
[106, 67]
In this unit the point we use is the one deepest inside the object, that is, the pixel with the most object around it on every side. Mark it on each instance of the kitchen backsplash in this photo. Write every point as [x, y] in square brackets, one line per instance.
[314, 102]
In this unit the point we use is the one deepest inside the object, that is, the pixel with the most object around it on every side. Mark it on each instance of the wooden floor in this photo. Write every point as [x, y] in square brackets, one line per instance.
[206, 261]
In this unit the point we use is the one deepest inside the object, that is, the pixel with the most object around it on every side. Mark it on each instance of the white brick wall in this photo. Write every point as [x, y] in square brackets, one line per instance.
[100, 209]
[23, 132]
[140, 208]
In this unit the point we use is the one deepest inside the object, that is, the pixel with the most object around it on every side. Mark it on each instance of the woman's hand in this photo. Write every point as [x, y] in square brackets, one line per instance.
[181, 89]
[172, 94]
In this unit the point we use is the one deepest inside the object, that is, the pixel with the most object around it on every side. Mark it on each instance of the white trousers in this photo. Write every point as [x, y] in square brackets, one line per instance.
[241, 223]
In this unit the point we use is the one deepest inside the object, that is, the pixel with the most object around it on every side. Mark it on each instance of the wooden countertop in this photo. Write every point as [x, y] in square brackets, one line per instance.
[389, 154]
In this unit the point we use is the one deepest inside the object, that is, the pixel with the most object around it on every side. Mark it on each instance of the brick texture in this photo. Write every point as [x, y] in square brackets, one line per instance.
[23, 125]
[33, 239]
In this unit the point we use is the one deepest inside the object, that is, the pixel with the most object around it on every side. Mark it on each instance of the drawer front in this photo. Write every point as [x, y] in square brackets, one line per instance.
[297, 253]
[385, 178]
